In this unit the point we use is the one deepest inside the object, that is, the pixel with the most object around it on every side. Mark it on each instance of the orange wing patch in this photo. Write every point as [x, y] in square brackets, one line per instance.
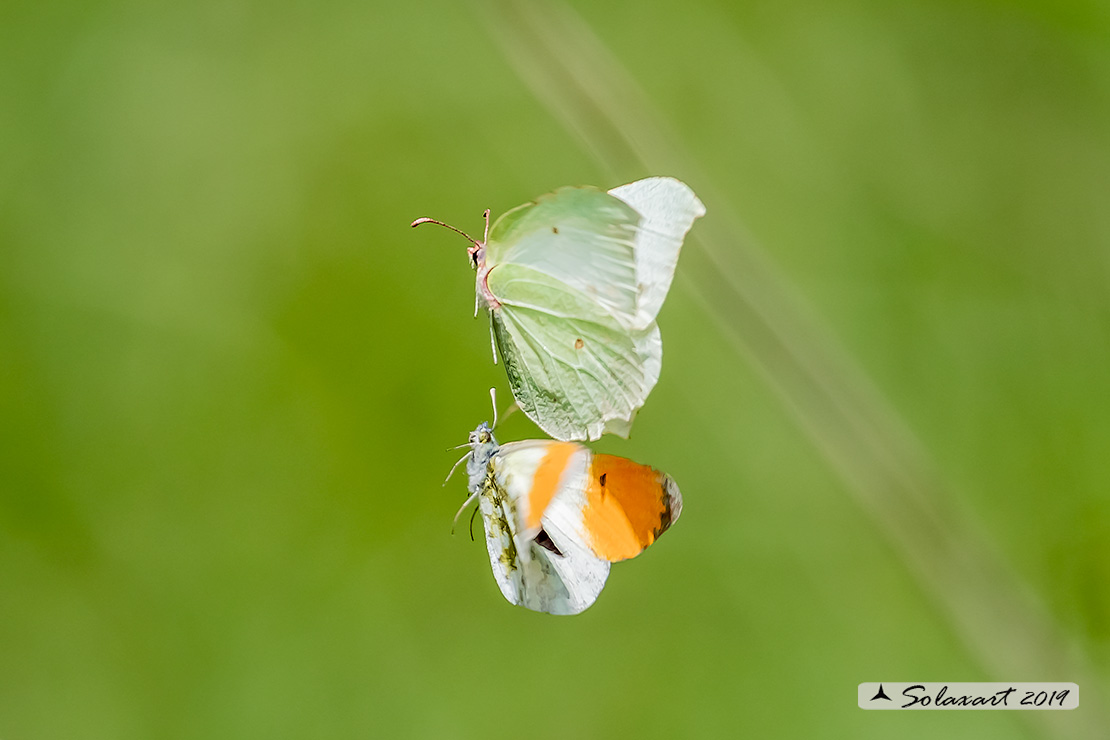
[628, 506]
[546, 480]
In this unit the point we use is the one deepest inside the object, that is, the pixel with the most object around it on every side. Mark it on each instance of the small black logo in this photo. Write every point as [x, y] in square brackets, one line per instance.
[881, 695]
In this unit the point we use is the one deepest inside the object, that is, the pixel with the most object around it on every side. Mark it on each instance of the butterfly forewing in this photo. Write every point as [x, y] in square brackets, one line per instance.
[628, 506]
[581, 237]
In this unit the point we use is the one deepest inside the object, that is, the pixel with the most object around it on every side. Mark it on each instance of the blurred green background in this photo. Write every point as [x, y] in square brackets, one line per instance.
[230, 372]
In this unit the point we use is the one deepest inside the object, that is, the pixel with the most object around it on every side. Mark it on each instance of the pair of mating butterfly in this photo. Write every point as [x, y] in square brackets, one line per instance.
[573, 282]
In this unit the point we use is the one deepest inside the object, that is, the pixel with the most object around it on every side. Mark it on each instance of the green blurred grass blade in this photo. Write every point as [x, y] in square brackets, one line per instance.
[996, 615]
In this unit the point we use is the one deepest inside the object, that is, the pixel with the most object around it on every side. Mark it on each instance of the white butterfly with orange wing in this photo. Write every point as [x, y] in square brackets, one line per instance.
[556, 515]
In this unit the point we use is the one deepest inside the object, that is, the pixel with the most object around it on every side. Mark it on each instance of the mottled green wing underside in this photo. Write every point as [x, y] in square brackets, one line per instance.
[573, 369]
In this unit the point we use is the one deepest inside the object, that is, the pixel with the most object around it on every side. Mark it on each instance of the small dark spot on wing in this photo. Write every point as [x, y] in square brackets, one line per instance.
[602, 479]
[579, 344]
[554, 229]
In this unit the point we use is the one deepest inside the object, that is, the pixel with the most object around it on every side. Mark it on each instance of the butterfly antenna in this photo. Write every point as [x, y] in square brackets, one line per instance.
[485, 238]
[455, 467]
[469, 238]
[462, 508]
[508, 411]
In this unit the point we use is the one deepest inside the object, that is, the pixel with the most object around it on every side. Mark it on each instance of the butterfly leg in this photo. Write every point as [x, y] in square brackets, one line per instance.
[468, 502]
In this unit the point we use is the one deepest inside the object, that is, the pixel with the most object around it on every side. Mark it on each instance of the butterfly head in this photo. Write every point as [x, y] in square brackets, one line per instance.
[477, 255]
[476, 252]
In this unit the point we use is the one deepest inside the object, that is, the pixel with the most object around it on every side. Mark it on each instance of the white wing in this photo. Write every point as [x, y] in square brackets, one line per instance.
[668, 209]
[552, 572]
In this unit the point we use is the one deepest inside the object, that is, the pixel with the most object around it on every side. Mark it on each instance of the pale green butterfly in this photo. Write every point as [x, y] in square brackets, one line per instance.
[573, 282]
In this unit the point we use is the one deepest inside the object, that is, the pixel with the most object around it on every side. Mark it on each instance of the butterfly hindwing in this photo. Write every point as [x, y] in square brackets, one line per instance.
[576, 378]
